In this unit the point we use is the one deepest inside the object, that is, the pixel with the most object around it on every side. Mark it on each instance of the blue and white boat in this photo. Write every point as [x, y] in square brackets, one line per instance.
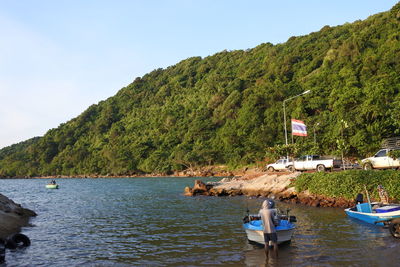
[366, 213]
[254, 229]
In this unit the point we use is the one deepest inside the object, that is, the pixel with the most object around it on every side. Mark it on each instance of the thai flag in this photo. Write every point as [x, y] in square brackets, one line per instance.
[299, 128]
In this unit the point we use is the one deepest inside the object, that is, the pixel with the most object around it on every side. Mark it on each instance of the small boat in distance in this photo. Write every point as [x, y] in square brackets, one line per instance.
[254, 229]
[52, 185]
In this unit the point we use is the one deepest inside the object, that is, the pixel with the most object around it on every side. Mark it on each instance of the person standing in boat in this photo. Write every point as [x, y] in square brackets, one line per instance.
[269, 220]
[383, 195]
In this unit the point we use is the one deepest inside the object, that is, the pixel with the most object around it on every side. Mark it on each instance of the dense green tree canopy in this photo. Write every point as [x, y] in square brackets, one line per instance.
[227, 108]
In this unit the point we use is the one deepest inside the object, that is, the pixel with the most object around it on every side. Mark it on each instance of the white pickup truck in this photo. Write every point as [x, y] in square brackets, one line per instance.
[380, 160]
[314, 162]
[280, 165]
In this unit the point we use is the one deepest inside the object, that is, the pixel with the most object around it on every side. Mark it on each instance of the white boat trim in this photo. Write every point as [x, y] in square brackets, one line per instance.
[257, 236]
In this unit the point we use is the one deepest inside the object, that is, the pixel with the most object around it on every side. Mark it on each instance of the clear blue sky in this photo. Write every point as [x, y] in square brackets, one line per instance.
[57, 57]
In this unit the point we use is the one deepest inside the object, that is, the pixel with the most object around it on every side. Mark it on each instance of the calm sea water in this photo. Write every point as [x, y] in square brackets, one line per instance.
[148, 222]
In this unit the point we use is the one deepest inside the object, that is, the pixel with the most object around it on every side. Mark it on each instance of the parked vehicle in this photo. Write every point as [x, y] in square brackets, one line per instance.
[314, 162]
[279, 165]
[380, 160]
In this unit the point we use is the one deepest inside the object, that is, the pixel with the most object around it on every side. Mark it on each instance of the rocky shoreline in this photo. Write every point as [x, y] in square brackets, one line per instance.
[12, 217]
[260, 184]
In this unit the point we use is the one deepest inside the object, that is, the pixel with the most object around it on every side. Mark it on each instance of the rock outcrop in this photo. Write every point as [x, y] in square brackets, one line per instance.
[265, 185]
[12, 217]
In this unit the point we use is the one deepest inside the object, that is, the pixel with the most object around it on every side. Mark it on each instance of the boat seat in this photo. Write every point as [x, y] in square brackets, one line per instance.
[364, 207]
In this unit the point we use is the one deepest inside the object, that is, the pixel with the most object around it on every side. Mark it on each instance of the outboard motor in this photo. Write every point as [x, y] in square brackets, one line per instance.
[359, 199]
[271, 203]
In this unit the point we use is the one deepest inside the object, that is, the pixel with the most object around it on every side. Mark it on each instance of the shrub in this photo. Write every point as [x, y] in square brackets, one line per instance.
[349, 183]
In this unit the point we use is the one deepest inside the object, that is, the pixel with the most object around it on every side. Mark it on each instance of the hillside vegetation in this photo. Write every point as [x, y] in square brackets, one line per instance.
[227, 108]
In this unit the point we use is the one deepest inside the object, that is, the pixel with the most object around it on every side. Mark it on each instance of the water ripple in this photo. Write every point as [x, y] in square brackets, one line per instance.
[148, 222]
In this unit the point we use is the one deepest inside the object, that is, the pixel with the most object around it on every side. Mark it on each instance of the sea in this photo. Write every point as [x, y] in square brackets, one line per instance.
[149, 222]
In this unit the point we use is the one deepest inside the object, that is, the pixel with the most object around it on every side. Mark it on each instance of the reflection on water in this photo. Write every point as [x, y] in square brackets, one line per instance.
[254, 255]
[148, 222]
[326, 237]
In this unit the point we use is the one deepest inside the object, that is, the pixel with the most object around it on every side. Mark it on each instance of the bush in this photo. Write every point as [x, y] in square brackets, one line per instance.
[349, 183]
[394, 154]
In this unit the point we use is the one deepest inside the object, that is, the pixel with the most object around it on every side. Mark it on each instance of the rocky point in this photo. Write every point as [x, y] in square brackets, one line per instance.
[262, 184]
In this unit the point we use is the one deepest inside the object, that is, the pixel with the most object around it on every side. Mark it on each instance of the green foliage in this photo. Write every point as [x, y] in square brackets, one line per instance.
[227, 108]
[394, 154]
[292, 150]
[349, 183]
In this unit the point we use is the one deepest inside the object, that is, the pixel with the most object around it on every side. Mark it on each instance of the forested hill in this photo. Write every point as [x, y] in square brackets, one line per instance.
[227, 108]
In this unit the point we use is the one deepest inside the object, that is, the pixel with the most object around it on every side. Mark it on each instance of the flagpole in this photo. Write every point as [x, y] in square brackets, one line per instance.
[284, 120]
[284, 113]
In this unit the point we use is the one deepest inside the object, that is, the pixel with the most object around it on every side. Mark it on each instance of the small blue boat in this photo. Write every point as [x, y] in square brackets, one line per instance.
[254, 229]
[377, 216]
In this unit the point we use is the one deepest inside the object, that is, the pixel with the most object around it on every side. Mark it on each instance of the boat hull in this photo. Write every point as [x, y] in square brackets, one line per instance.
[257, 236]
[52, 186]
[373, 218]
[254, 232]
